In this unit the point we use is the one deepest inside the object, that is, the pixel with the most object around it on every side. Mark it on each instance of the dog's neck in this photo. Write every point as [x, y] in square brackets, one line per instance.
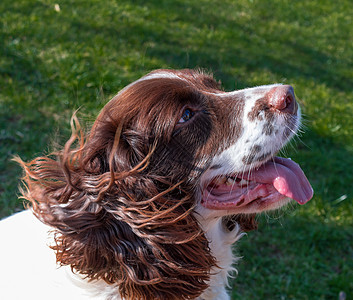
[221, 234]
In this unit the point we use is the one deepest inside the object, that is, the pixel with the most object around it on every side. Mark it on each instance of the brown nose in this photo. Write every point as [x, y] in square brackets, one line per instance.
[282, 98]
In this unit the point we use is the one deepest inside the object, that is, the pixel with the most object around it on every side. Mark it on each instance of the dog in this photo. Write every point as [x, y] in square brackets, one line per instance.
[148, 204]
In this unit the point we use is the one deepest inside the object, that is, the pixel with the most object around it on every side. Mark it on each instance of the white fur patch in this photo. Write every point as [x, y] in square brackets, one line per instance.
[220, 243]
[230, 161]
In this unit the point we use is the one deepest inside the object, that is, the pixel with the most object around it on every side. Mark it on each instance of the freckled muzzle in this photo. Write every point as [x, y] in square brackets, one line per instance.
[261, 180]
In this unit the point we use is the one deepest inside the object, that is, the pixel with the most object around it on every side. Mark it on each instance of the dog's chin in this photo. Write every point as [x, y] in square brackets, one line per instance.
[272, 201]
[256, 206]
[268, 187]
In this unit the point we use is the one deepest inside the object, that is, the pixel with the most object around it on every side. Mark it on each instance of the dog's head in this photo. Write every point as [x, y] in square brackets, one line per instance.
[166, 148]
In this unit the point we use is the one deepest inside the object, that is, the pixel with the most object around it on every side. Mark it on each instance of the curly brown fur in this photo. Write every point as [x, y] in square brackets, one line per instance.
[117, 216]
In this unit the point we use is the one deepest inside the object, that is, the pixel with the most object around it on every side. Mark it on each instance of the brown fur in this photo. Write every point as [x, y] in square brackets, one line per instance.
[121, 199]
[120, 214]
[246, 222]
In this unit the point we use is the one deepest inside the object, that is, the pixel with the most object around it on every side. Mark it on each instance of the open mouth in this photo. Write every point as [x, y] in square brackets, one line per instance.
[275, 180]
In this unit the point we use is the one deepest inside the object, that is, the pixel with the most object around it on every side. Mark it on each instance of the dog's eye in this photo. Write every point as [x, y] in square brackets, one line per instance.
[187, 115]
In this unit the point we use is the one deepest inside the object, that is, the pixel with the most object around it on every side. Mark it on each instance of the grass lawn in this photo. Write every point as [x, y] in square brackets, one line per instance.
[78, 54]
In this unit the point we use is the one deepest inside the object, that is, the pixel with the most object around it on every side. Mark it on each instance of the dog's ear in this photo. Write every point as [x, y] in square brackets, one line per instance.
[116, 222]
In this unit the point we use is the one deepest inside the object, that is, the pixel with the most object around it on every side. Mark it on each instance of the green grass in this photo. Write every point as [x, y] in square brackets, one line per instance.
[52, 63]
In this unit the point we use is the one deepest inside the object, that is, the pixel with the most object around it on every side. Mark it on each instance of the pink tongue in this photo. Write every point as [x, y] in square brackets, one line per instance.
[287, 178]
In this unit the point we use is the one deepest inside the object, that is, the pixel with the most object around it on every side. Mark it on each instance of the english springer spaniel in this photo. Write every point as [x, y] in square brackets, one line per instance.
[148, 204]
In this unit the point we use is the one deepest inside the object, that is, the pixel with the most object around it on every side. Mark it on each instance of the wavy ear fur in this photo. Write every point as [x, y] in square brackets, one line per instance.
[116, 221]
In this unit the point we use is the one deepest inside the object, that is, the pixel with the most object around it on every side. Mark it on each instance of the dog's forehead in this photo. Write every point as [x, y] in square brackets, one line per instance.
[198, 80]
[159, 78]
[160, 75]
[203, 82]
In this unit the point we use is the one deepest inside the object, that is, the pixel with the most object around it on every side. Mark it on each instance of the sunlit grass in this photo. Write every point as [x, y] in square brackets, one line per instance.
[57, 56]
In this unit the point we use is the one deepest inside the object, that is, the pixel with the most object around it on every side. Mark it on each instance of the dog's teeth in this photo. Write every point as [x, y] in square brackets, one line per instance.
[220, 180]
[230, 181]
[243, 182]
